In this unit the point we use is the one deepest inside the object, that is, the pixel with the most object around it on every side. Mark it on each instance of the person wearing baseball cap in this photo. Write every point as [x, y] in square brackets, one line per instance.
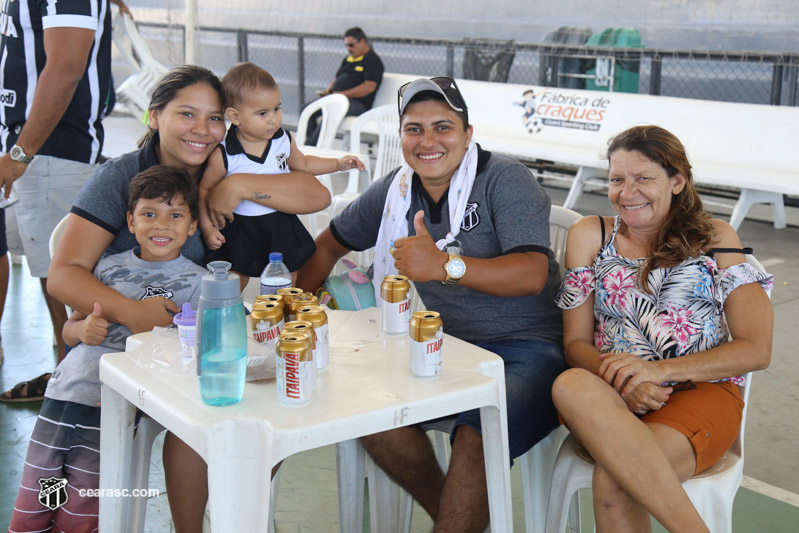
[470, 228]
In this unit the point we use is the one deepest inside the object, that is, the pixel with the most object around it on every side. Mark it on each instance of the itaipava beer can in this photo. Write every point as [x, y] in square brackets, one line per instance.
[288, 293]
[315, 314]
[427, 338]
[268, 298]
[267, 321]
[395, 305]
[305, 327]
[300, 300]
[294, 370]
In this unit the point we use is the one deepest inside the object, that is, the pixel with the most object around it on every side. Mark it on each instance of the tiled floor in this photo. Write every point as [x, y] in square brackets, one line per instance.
[308, 498]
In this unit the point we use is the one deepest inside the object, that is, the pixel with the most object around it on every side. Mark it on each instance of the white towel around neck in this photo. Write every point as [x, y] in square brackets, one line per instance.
[394, 222]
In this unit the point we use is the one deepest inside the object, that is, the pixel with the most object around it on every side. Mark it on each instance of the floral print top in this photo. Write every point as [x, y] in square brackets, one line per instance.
[684, 313]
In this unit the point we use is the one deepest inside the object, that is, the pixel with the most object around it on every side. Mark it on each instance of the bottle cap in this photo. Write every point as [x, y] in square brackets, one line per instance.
[276, 256]
[187, 316]
[219, 283]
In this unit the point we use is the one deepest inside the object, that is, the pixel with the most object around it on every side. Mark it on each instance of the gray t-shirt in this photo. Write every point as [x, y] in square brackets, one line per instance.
[77, 378]
[103, 200]
[508, 212]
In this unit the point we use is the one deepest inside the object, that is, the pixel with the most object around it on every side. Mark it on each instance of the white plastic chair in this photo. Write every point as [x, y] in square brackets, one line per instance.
[385, 121]
[389, 151]
[334, 108]
[136, 89]
[391, 507]
[712, 492]
[55, 236]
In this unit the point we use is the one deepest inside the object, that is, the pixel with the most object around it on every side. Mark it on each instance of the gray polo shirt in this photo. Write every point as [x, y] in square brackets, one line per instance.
[508, 212]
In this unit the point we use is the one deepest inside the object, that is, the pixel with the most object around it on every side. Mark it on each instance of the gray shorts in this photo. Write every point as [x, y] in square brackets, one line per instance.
[46, 192]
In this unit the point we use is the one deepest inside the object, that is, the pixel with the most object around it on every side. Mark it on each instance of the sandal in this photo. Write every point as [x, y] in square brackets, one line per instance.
[34, 390]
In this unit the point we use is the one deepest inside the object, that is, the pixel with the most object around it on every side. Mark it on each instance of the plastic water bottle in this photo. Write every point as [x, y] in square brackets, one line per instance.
[221, 337]
[275, 276]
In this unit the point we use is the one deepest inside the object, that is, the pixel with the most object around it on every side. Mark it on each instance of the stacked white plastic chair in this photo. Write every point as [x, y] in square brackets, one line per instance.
[384, 122]
[390, 506]
[712, 492]
[334, 108]
[136, 89]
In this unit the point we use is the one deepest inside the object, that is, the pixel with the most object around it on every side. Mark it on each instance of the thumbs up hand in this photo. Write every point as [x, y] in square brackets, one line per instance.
[94, 327]
[417, 257]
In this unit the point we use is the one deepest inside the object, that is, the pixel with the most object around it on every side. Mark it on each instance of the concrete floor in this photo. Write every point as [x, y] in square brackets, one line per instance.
[308, 498]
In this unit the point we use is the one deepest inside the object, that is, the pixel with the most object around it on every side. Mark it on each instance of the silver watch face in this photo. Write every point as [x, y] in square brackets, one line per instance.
[18, 154]
[456, 268]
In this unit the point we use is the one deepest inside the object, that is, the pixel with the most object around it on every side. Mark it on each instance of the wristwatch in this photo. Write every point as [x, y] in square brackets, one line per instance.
[455, 269]
[18, 154]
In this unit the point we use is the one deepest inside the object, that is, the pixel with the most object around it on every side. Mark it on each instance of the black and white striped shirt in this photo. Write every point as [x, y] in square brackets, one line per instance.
[79, 134]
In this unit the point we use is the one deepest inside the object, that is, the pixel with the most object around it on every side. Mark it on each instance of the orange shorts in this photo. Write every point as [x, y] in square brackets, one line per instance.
[709, 414]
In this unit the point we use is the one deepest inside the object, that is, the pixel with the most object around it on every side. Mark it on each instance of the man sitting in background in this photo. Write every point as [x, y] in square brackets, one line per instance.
[357, 78]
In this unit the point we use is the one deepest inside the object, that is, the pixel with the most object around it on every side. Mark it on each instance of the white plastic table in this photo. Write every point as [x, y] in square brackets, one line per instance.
[366, 389]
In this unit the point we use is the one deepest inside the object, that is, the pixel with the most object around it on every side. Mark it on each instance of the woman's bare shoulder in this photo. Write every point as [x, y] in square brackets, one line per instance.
[585, 240]
[724, 235]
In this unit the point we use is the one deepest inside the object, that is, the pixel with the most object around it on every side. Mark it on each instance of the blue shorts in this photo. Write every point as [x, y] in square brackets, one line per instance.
[531, 367]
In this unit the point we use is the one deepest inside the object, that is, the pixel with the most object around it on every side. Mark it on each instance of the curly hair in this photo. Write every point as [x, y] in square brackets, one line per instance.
[687, 230]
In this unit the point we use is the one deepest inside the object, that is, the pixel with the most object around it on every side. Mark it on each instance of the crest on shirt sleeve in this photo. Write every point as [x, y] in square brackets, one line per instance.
[470, 218]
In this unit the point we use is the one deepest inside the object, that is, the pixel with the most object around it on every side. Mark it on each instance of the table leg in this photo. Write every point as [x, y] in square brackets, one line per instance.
[117, 418]
[497, 461]
[350, 459]
[239, 479]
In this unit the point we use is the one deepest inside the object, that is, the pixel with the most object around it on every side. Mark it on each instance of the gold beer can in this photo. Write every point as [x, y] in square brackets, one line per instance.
[304, 327]
[315, 314]
[395, 304]
[300, 300]
[288, 293]
[294, 369]
[426, 331]
[267, 321]
[268, 298]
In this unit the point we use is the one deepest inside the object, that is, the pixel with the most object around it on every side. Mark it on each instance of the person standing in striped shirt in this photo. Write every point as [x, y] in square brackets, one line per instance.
[54, 83]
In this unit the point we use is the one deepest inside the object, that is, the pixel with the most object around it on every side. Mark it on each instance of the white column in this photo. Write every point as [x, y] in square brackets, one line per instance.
[191, 23]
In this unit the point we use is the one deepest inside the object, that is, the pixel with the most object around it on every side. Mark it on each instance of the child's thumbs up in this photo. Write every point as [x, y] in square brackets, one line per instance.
[94, 327]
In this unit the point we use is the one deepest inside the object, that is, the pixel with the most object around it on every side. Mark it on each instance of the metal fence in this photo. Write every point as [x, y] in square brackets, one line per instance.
[304, 63]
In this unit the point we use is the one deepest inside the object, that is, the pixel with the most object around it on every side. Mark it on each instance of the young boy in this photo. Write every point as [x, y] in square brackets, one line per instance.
[63, 459]
[257, 144]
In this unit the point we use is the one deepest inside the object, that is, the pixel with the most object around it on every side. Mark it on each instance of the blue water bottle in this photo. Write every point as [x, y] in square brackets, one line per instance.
[221, 337]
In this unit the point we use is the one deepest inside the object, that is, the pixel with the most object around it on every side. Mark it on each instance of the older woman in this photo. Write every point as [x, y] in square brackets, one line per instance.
[653, 394]
[471, 228]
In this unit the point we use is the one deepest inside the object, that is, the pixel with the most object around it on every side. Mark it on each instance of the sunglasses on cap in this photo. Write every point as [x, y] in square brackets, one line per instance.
[446, 88]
